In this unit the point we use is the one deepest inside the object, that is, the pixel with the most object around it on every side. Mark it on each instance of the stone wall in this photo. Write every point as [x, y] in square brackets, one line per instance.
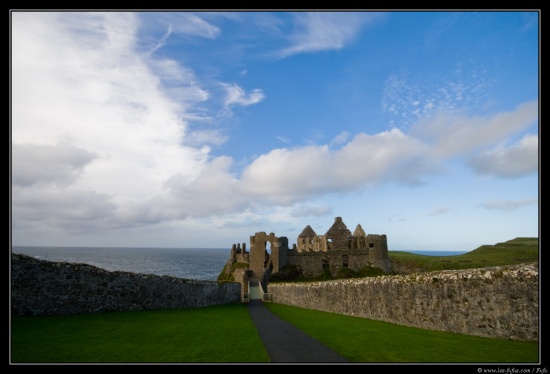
[311, 263]
[497, 302]
[57, 288]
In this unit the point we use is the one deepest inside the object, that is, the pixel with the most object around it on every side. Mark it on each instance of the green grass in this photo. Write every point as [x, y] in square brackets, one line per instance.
[226, 334]
[364, 340]
[515, 251]
[213, 334]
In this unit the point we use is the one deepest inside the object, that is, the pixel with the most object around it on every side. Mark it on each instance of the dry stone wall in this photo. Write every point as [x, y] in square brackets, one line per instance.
[497, 302]
[57, 288]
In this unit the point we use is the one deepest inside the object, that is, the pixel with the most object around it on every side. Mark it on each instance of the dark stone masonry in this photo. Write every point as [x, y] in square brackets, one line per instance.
[41, 287]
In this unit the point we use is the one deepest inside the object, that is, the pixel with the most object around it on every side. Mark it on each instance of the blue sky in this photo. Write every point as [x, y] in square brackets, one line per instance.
[199, 129]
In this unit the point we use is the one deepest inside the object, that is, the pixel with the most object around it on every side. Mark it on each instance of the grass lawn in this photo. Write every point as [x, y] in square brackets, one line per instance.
[226, 334]
[214, 334]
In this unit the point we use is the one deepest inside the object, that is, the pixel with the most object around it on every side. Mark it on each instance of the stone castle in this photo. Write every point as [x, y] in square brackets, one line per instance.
[311, 256]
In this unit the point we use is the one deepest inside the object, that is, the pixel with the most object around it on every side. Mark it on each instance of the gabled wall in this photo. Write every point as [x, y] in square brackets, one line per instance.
[339, 248]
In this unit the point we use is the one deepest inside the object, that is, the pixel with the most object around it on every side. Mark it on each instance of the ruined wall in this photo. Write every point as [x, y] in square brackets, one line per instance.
[57, 288]
[313, 253]
[356, 260]
[279, 251]
[239, 254]
[338, 235]
[379, 252]
[338, 249]
[311, 263]
[497, 302]
[258, 253]
[259, 257]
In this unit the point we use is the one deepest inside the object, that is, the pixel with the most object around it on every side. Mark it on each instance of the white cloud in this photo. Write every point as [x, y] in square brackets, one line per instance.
[283, 139]
[201, 137]
[508, 206]
[438, 211]
[453, 135]
[192, 24]
[180, 82]
[281, 177]
[411, 97]
[235, 95]
[266, 22]
[288, 175]
[214, 191]
[341, 138]
[512, 162]
[162, 40]
[44, 164]
[45, 208]
[80, 88]
[320, 31]
[308, 210]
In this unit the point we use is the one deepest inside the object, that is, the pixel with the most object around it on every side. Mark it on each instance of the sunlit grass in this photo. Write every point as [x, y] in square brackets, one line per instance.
[364, 340]
[515, 251]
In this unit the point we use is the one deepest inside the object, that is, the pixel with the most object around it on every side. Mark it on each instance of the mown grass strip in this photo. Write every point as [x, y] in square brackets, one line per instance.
[364, 340]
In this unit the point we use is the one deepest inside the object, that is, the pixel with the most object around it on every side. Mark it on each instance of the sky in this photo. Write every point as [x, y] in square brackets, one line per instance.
[199, 129]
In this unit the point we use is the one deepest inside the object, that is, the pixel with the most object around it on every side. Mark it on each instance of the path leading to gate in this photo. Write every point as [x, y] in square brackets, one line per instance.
[284, 343]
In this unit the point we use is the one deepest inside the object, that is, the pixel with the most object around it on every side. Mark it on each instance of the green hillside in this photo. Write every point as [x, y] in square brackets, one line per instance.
[515, 251]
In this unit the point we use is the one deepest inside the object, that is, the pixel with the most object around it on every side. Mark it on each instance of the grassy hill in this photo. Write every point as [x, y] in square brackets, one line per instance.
[515, 251]
[512, 252]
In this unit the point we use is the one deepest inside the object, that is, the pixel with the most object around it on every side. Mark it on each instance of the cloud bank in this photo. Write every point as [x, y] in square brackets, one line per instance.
[514, 161]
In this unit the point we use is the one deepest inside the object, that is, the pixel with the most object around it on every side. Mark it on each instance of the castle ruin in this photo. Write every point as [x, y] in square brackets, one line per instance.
[311, 256]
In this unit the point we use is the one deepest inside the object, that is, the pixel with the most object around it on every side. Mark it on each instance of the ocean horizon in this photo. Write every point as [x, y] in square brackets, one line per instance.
[435, 252]
[189, 263]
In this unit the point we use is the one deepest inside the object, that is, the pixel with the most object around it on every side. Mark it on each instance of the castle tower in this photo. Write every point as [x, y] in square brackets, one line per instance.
[339, 235]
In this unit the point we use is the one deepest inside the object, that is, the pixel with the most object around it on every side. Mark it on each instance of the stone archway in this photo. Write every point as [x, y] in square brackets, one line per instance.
[261, 251]
[268, 253]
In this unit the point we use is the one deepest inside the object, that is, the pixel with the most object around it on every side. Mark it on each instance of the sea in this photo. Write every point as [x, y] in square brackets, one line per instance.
[189, 263]
[437, 253]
